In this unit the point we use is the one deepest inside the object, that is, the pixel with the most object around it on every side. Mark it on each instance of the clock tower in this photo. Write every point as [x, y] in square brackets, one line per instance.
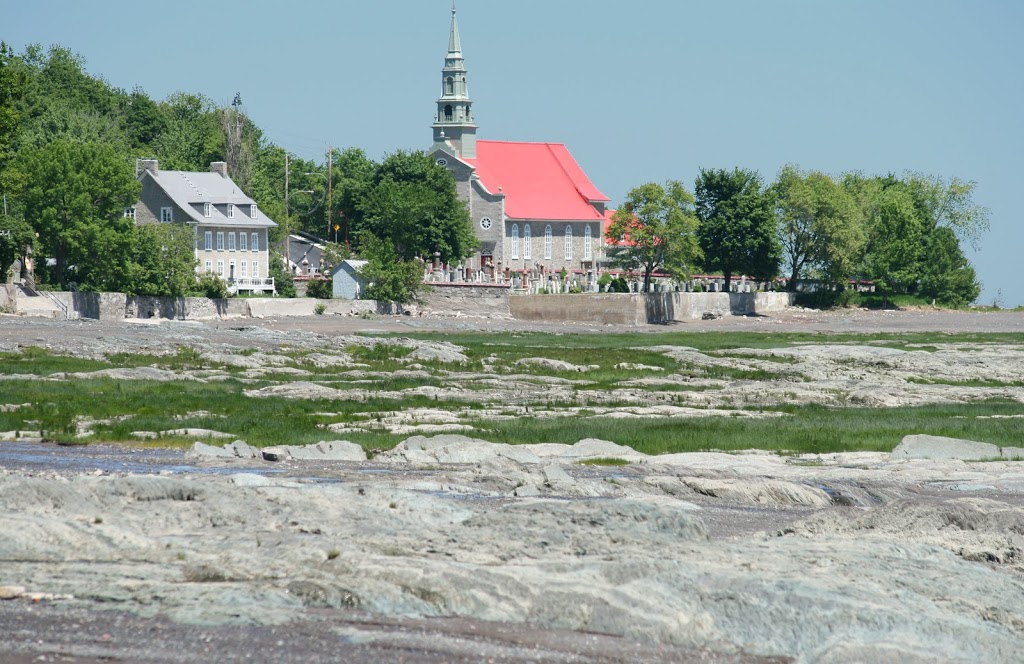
[454, 122]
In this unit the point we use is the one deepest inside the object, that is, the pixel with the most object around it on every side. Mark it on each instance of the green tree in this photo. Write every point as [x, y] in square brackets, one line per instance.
[896, 233]
[946, 275]
[193, 136]
[820, 227]
[655, 228]
[164, 261]
[949, 205]
[737, 229]
[12, 86]
[15, 236]
[143, 121]
[389, 277]
[284, 282]
[352, 176]
[412, 203]
[75, 201]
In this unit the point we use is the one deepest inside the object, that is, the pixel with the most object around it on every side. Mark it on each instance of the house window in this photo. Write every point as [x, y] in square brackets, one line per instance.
[255, 243]
[129, 212]
[220, 241]
[547, 243]
[515, 240]
[527, 243]
[231, 211]
[220, 268]
[243, 269]
[231, 241]
[208, 240]
[568, 243]
[255, 269]
[209, 267]
[231, 270]
[243, 242]
[588, 238]
[253, 212]
[207, 209]
[166, 214]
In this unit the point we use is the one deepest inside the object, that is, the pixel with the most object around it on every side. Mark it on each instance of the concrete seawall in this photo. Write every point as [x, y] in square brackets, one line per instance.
[640, 309]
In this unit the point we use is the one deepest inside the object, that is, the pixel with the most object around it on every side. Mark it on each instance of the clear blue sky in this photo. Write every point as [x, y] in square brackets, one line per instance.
[639, 91]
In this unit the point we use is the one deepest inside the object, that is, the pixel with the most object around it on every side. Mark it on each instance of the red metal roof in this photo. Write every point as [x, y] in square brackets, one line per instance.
[539, 180]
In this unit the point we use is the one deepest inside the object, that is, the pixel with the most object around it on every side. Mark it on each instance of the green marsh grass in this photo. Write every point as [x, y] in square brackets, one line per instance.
[804, 429]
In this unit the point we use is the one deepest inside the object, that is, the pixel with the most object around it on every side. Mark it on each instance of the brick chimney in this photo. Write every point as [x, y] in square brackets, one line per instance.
[151, 165]
[219, 167]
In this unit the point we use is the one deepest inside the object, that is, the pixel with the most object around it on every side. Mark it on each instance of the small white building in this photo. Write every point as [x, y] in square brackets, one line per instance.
[348, 280]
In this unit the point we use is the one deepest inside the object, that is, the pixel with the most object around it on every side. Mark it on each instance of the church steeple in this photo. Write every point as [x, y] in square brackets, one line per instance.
[454, 122]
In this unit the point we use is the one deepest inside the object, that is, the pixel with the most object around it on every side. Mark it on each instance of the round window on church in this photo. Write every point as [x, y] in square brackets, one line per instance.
[442, 162]
[485, 223]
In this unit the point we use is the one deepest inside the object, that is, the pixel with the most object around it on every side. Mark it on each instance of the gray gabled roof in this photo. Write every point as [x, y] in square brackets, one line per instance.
[191, 190]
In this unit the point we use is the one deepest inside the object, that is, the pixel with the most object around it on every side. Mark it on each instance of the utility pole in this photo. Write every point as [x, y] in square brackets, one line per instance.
[330, 173]
[284, 245]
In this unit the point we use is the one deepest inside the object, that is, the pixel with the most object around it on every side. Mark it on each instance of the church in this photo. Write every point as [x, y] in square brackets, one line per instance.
[532, 206]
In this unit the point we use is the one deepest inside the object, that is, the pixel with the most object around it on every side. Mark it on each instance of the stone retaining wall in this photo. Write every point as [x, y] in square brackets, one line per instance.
[640, 309]
[603, 308]
[184, 308]
[8, 295]
[490, 301]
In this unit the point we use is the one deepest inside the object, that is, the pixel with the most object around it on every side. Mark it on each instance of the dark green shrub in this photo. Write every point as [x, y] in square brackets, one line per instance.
[321, 289]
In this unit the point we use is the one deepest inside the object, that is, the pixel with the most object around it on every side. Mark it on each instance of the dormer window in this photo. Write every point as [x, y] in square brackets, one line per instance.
[231, 211]
[207, 209]
[253, 212]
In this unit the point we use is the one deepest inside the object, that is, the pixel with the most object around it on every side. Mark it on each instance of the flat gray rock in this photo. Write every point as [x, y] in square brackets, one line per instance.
[555, 474]
[243, 450]
[329, 450]
[1013, 453]
[921, 446]
[204, 451]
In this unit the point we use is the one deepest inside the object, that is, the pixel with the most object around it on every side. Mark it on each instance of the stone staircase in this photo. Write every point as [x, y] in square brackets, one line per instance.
[32, 303]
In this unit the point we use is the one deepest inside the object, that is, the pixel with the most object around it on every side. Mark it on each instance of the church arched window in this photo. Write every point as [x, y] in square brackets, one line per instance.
[464, 86]
[547, 242]
[449, 86]
[527, 243]
[588, 239]
[514, 254]
[448, 114]
[568, 243]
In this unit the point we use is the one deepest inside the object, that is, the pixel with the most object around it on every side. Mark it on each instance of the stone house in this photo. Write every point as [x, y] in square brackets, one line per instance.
[533, 208]
[230, 231]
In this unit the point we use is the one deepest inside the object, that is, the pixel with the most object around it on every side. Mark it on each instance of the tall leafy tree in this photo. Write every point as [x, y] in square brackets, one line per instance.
[75, 200]
[193, 136]
[389, 278]
[895, 239]
[412, 203]
[655, 229]
[163, 261]
[820, 227]
[946, 274]
[949, 204]
[352, 178]
[737, 231]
